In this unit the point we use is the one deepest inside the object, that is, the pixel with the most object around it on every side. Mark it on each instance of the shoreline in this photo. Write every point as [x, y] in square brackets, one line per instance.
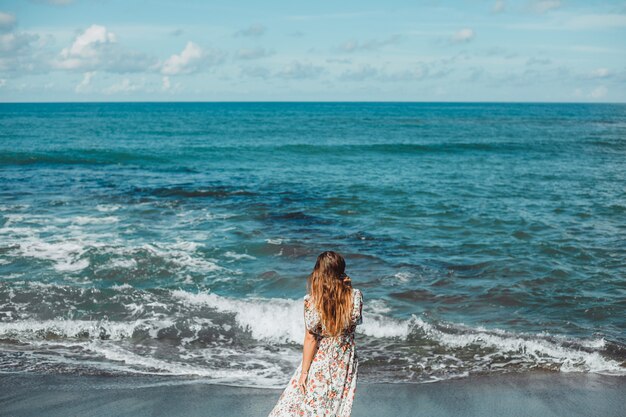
[527, 394]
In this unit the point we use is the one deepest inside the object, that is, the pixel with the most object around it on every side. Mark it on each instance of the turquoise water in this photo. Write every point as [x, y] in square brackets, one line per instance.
[175, 238]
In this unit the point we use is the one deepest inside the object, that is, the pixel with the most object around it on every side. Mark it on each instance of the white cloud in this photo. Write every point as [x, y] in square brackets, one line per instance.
[20, 53]
[596, 21]
[191, 59]
[124, 86]
[363, 72]
[85, 83]
[7, 21]
[326, 16]
[300, 70]
[85, 45]
[97, 49]
[538, 61]
[594, 49]
[168, 85]
[369, 72]
[498, 6]
[256, 72]
[338, 61]
[600, 73]
[463, 35]
[186, 62]
[542, 6]
[254, 31]
[3, 82]
[253, 53]
[598, 92]
[369, 45]
[575, 23]
[12, 43]
[499, 52]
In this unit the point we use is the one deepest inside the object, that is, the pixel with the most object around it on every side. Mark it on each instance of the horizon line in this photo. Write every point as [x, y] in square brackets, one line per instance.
[310, 101]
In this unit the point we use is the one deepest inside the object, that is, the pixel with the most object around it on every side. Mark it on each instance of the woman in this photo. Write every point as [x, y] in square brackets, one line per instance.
[325, 382]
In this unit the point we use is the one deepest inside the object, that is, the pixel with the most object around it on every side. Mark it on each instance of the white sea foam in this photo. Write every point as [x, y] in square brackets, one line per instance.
[67, 246]
[12, 218]
[255, 368]
[259, 369]
[594, 343]
[534, 349]
[34, 329]
[378, 306]
[66, 255]
[5, 207]
[280, 321]
[64, 251]
[403, 276]
[106, 208]
[122, 287]
[200, 216]
[238, 256]
[84, 220]
[261, 315]
[182, 254]
[377, 325]
[123, 263]
[14, 275]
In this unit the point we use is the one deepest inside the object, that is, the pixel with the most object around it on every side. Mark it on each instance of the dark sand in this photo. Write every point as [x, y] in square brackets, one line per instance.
[542, 395]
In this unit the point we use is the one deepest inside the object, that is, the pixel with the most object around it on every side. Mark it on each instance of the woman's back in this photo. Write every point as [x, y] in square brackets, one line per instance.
[314, 324]
[325, 382]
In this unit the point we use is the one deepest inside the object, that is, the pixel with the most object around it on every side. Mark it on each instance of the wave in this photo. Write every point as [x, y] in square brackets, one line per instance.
[104, 348]
[177, 332]
[25, 330]
[259, 318]
[565, 354]
[260, 315]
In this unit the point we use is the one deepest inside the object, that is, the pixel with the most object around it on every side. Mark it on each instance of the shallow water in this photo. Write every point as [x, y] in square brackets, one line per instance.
[176, 238]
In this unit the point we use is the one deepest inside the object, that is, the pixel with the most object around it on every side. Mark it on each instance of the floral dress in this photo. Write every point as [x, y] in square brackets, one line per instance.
[331, 383]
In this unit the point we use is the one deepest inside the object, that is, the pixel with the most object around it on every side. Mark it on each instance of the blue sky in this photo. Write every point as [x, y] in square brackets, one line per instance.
[468, 50]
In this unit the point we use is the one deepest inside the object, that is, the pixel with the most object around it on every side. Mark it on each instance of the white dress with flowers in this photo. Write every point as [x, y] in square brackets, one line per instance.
[331, 384]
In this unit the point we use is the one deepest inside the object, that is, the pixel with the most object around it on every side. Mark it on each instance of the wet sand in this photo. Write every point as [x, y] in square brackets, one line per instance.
[539, 394]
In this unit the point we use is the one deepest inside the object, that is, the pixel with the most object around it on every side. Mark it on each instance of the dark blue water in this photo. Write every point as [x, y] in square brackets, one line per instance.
[175, 238]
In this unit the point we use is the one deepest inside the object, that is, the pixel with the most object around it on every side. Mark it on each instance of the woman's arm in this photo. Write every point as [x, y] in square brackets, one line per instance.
[308, 352]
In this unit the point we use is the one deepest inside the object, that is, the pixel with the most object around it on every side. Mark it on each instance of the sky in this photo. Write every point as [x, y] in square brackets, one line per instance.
[189, 50]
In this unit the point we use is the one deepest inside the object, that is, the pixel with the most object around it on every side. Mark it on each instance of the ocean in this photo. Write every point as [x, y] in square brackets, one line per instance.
[175, 239]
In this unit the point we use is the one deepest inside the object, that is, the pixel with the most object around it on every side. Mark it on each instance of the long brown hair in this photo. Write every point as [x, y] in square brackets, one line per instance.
[330, 289]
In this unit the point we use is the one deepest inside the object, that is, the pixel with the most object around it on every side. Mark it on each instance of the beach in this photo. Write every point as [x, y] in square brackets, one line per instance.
[545, 395]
